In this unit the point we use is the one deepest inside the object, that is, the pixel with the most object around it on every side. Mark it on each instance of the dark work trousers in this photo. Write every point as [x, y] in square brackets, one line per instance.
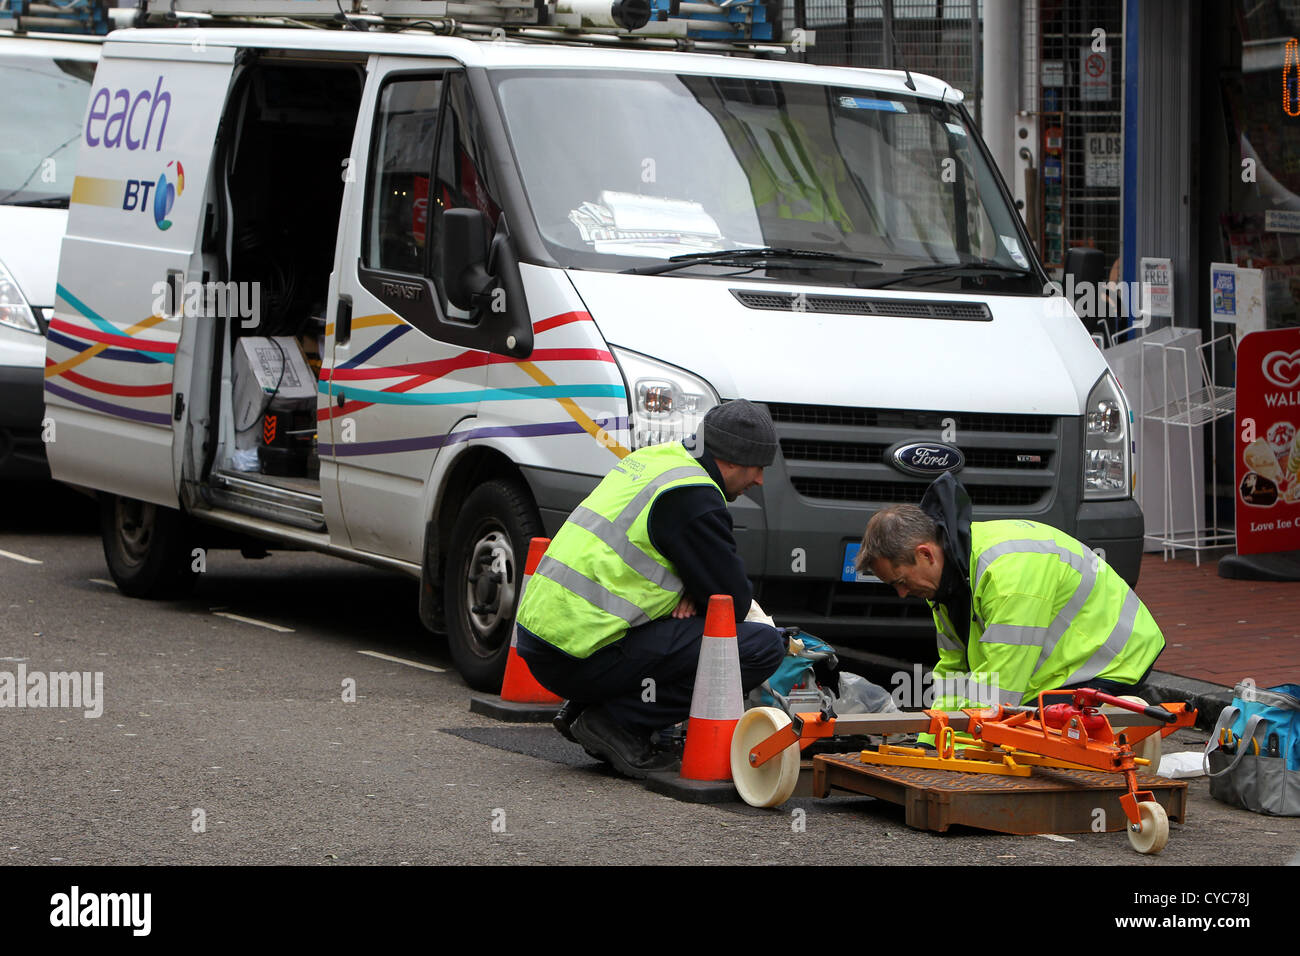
[666, 652]
[1107, 686]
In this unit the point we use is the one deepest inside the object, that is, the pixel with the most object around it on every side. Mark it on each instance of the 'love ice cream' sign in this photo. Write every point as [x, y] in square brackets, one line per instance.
[1268, 442]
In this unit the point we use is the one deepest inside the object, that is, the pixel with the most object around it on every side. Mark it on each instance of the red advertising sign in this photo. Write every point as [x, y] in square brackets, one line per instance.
[1268, 442]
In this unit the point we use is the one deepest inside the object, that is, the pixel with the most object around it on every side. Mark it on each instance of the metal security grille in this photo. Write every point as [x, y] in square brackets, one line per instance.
[1078, 100]
[939, 37]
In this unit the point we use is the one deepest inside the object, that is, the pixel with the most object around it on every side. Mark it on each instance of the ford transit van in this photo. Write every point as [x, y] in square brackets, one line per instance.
[499, 266]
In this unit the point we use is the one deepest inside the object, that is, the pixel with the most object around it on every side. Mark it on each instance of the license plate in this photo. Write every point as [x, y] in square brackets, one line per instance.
[848, 572]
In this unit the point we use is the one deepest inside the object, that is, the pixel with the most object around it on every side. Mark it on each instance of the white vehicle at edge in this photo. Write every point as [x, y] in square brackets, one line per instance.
[47, 83]
[531, 259]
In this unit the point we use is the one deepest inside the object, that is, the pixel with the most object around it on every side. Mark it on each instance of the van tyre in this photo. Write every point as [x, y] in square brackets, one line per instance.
[483, 578]
[148, 547]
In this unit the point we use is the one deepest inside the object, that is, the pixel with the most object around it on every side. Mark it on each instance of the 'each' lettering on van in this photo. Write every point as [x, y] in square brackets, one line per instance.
[127, 117]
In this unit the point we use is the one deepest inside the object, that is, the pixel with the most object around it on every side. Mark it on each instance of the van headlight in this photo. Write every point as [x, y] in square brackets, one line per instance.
[667, 403]
[14, 310]
[1107, 448]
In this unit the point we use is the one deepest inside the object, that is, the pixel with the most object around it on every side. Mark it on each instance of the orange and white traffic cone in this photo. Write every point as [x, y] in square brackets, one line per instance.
[522, 699]
[519, 685]
[718, 700]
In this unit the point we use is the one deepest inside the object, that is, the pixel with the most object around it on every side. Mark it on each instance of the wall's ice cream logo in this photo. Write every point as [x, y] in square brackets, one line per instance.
[1283, 368]
[165, 193]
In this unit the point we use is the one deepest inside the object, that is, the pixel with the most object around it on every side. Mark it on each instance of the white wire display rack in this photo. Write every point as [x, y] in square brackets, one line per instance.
[1189, 374]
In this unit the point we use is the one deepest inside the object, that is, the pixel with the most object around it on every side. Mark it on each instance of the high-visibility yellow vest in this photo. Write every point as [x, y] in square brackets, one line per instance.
[601, 575]
[1045, 612]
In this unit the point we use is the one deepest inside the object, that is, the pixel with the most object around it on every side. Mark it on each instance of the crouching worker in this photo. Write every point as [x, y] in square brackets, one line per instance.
[1019, 606]
[613, 616]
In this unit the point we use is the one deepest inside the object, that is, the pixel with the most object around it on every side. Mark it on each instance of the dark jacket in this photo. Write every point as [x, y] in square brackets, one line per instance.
[947, 502]
[692, 528]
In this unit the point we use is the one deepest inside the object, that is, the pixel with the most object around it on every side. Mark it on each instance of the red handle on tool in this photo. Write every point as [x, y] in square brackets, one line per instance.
[1087, 697]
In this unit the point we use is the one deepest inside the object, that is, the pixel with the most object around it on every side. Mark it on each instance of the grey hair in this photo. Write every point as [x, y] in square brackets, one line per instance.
[893, 534]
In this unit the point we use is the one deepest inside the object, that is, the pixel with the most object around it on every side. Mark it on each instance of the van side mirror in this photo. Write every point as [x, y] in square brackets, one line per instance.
[483, 279]
[464, 256]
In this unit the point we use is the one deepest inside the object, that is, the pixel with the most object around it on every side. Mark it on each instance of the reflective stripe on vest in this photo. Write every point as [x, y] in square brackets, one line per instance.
[602, 575]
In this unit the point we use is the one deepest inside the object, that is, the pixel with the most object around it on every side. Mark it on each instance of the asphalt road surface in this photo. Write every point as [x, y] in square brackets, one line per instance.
[225, 738]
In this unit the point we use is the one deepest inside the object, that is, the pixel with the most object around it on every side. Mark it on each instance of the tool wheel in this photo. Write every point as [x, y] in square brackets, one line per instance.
[771, 784]
[1149, 747]
[1155, 829]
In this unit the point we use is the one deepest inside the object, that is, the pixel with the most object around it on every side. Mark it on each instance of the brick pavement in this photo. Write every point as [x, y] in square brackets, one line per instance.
[1219, 629]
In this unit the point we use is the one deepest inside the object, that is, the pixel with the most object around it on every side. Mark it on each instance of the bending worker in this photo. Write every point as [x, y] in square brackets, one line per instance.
[1019, 606]
[612, 617]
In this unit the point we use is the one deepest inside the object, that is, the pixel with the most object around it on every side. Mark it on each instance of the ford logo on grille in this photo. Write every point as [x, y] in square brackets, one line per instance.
[926, 458]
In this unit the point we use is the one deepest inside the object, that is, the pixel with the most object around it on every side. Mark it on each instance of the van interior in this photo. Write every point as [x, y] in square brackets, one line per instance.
[278, 181]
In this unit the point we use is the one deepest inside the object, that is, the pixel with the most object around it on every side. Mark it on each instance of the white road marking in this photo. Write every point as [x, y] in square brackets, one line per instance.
[1058, 839]
[102, 581]
[19, 557]
[253, 620]
[398, 660]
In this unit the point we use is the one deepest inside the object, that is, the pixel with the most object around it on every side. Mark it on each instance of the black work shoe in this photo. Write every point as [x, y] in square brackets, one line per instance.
[629, 753]
[564, 718]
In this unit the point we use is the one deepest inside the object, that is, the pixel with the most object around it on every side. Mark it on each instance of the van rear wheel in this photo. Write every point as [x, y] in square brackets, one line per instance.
[147, 547]
[483, 579]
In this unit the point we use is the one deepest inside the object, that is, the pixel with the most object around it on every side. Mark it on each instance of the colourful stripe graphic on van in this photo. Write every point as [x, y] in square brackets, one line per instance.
[96, 191]
[95, 343]
[109, 388]
[110, 408]
[595, 390]
[422, 373]
[425, 442]
[108, 333]
[86, 352]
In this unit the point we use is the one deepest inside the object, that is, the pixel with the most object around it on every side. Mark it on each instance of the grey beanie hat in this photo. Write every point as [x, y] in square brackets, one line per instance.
[740, 432]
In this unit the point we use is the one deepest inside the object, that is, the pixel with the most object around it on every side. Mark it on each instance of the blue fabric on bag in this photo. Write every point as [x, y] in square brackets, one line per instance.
[1276, 716]
[795, 671]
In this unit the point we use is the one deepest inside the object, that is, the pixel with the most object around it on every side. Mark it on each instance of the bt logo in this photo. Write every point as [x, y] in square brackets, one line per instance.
[164, 192]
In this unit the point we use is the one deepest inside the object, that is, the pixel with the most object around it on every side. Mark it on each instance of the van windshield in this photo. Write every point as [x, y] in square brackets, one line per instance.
[41, 113]
[625, 170]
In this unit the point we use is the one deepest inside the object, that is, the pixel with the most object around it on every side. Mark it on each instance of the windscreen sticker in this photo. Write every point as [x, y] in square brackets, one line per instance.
[631, 224]
[863, 103]
[1013, 246]
[955, 129]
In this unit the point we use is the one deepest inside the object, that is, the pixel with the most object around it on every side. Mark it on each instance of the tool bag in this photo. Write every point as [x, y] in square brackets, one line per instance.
[797, 670]
[1253, 756]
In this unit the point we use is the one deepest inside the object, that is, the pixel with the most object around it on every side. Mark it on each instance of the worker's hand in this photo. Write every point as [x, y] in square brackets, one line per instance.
[685, 607]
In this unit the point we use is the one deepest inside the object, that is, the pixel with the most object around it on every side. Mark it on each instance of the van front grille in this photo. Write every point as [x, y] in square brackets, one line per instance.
[831, 453]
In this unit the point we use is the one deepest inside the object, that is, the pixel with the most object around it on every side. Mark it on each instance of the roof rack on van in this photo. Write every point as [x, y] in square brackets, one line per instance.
[56, 16]
[693, 24]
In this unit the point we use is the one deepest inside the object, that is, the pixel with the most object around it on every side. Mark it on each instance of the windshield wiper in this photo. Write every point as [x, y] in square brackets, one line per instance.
[975, 269]
[745, 256]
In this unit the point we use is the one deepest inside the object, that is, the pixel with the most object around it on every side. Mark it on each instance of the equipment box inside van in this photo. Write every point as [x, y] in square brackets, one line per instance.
[508, 264]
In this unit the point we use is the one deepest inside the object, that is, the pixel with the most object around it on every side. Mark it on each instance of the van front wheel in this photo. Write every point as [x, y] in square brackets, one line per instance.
[484, 577]
[147, 547]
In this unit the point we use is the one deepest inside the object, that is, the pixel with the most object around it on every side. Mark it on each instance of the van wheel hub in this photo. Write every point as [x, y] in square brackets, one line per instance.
[491, 584]
[135, 526]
